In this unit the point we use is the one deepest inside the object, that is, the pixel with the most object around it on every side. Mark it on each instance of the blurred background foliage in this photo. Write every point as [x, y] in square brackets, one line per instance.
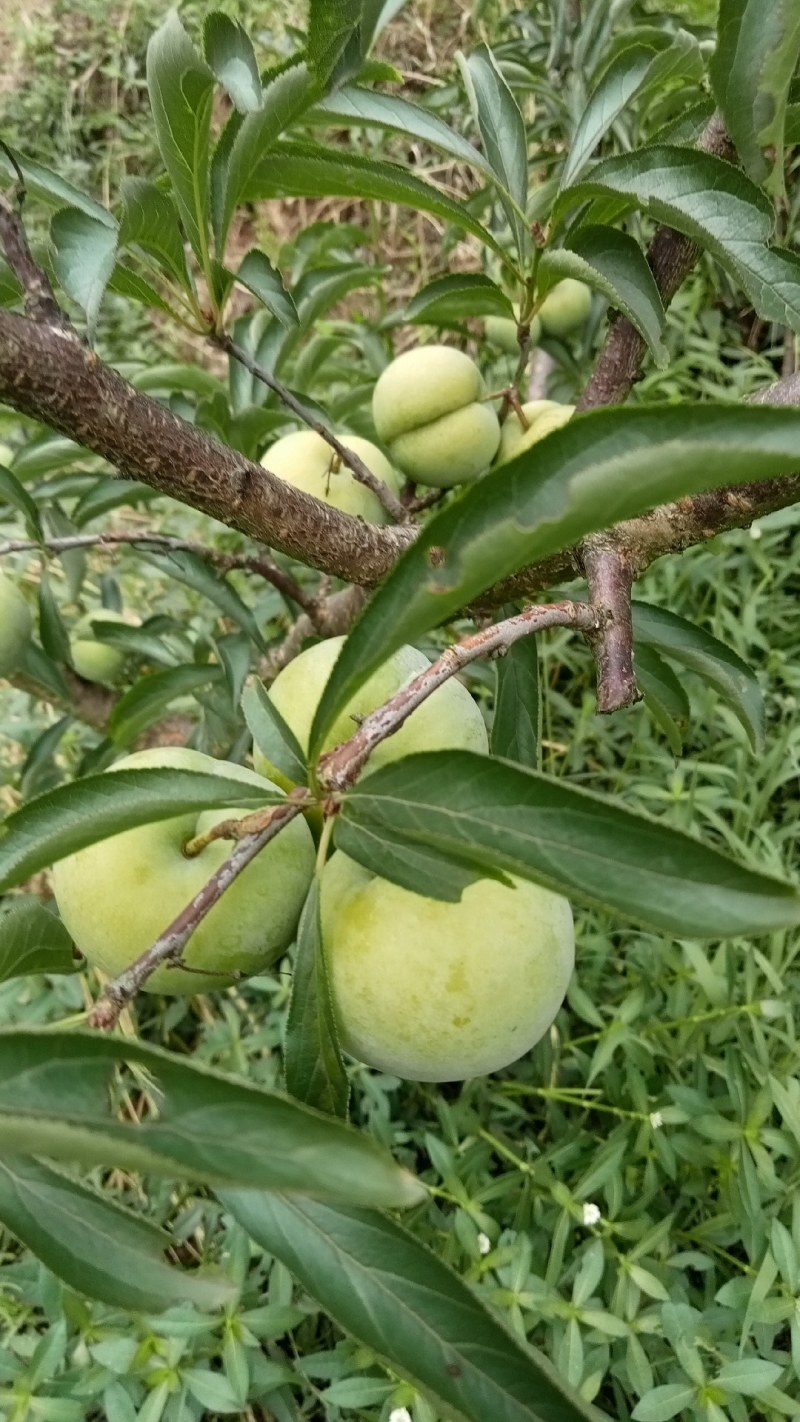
[625, 1188]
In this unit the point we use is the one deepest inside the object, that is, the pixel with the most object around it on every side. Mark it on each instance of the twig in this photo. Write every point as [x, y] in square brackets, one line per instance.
[342, 766]
[40, 300]
[169, 946]
[610, 578]
[259, 563]
[356, 465]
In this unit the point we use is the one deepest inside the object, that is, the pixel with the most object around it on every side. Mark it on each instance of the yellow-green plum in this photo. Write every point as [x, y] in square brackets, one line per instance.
[305, 460]
[543, 416]
[16, 625]
[94, 660]
[448, 719]
[435, 991]
[428, 411]
[118, 895]
[501, 331]
[565, 308]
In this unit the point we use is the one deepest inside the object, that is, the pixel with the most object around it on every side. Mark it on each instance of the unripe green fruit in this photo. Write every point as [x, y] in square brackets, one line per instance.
[501, 331]
[117, 896]
[306, 460]
[93, 660]
[427, 411]
[16, 625]
[543, 417]
[448, 719]
[435, 991]
[565, 308]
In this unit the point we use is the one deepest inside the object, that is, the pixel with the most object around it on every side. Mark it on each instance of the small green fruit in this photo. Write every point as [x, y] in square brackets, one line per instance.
[117, 896]
[448, 719]
[428, 412]
[565, 308]
[93, 660]
[16, 625]
[305, 460]
[435, 991]
[543, 417]
[501, 331]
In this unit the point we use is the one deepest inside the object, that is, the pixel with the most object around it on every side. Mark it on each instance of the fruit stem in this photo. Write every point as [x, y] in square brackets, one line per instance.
[324, 843]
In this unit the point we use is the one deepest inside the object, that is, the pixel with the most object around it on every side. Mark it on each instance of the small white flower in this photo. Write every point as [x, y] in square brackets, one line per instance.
[400, 1414]
[656, 1120]
[756, 532]
[484, 1243]
[591, 1214]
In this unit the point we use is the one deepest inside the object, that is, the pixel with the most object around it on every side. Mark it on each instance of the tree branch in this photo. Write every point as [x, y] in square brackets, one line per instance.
[40, 301]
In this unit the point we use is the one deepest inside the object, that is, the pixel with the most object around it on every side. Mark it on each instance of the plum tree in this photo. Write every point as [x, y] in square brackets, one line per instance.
[446, 720]
[543, 416]
[92, 659]
[501, 331]
[437, 991]
[305, 460]
[428, 411]
[117, 895]
[16, 624]
[565, 308]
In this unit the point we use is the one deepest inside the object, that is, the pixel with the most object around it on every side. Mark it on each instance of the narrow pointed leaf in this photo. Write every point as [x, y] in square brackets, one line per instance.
[32, 940]
[14, 493]
[52, 188]
[271, 734]
[517, 725]
[265, 281]
[712, 202]
[663, 693]
[503, 136]
[395, 1297]
[640, 67]
[598, 469]
[456, 298]
[585, 846]
[181, 88]
[95, 1245]
[305, 170]
[355, 107]
[286, 96]
[150, 221]
[332, 25]
[614, 264]
[149, 697]
[758, 47]
[70, 817]
[57, 1094]
[189, 568]
[715, 663]
[313, 1063]
[229, 52]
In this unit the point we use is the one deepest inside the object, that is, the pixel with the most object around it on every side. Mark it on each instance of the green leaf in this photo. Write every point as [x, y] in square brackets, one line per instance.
[355, 107]
[663, 693]
[662, 1403]
[305, 170]
[181, 88]
[396, 1298]
[265, 281]
[40, 669]
[455, 298]
[758, 47]
[94, 1245]
[712, 202]
[189, 568]
[271, 734]
[285, 98]
[70, 817]
[110, 494]
[150, 221]
[596, 470]
[517, 725]
[230, 54]
[733, 680]
[149, 697]
[331, 26]
[51, 625]
[84, 258]
[748, 1376]
[52, 188]
[10, 286]
[169, 376]
[134, 287]
[484, 811]
[313, 1062]
[57, 1098]
[14, 493]
[503, 136]
[614, 264]
[32, 940]
[642, 66]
